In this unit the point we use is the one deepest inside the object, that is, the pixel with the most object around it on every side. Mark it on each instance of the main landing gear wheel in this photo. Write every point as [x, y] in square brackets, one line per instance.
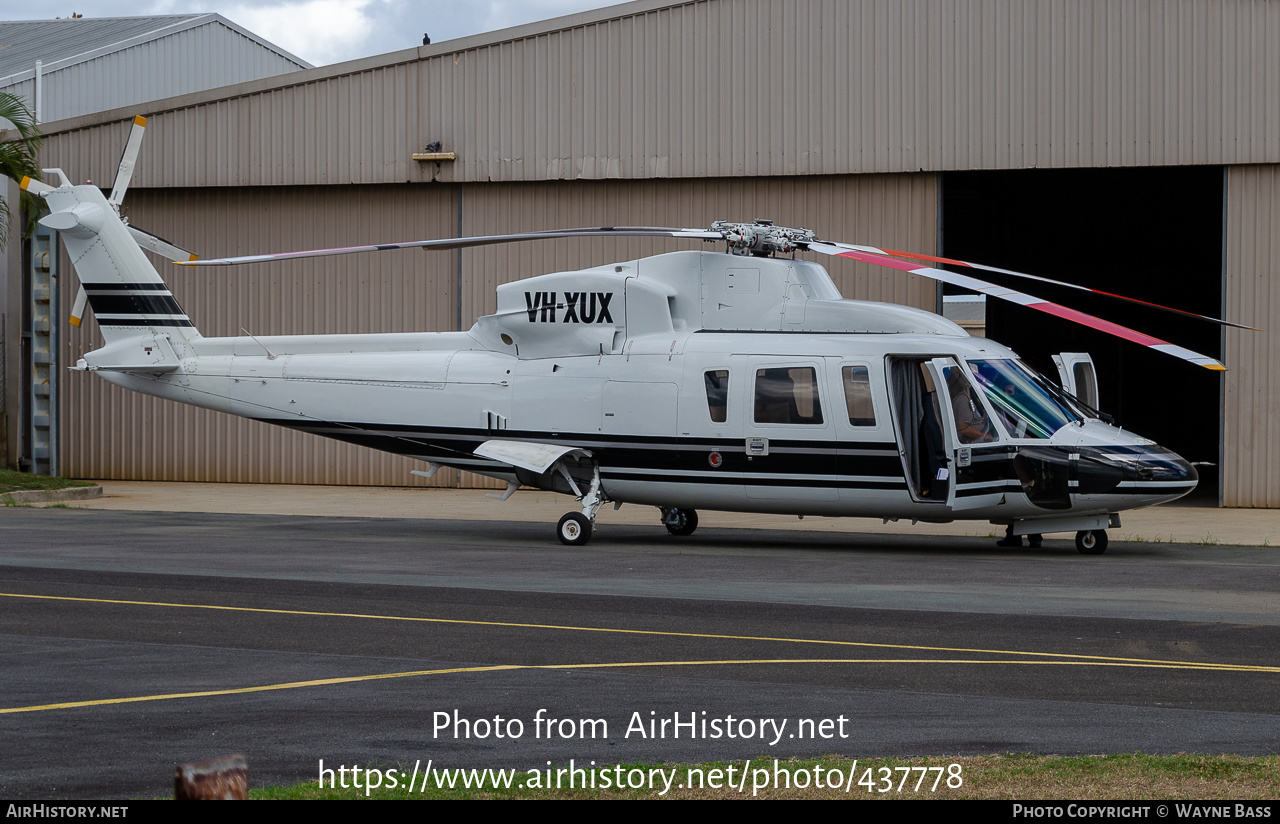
[1091, 542]
[574, 529]
[680, 521]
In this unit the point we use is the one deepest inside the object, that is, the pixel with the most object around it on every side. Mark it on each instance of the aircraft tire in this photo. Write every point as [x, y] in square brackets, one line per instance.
[688, 522]
[574, 529]
[1091, 542]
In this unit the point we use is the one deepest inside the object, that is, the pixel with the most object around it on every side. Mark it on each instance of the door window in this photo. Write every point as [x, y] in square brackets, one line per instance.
[787, 395]
[857, 396]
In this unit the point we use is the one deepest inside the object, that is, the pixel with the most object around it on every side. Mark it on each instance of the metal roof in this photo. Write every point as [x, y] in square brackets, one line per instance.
[58, 43]
[728, 88]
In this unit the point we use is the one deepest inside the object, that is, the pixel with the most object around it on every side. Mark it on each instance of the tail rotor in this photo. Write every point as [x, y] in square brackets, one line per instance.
[148, 241]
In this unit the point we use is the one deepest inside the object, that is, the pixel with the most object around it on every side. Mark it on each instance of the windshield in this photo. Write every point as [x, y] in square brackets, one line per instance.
[1022, 403]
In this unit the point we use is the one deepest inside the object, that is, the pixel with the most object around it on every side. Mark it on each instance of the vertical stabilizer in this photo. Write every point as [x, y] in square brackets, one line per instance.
[127, 295]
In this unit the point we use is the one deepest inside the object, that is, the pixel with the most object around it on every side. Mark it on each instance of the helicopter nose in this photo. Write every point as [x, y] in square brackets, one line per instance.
[1157, 464]
[1148, 471]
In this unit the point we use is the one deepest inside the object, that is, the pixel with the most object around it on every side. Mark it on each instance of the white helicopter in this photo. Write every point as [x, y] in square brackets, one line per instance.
[737, 381]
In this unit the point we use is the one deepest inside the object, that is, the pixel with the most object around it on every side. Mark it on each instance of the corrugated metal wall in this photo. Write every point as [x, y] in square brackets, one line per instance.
[110, 433]
[722, 88]
[201, 57]
[1251, 424]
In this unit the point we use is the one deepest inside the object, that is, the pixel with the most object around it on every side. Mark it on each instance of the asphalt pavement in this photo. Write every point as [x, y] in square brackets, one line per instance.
[297, 625]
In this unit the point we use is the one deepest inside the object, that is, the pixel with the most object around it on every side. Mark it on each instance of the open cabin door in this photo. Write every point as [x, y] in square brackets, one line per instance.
[969, 435]
[1078, 377]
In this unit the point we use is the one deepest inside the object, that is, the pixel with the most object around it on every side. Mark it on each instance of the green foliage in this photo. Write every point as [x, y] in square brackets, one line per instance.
[18, 157]
[11, 481]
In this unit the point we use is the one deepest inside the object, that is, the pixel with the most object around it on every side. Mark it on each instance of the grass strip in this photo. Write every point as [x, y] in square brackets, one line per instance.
[11, 481]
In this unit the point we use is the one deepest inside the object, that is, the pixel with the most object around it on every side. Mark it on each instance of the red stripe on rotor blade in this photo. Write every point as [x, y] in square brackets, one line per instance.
[880, 260]
[1154, 305]
[1097, 323]
[918, 256]
[1043, 305]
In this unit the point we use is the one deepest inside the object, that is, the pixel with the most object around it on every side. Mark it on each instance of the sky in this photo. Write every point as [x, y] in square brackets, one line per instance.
[322, 32]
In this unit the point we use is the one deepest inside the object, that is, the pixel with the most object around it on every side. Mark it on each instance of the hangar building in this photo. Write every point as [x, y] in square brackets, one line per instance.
[74, 66]
[1128, 144]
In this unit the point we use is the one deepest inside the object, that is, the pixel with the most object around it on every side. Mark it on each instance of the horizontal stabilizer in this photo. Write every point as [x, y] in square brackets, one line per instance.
[535, 457]
[144, 353]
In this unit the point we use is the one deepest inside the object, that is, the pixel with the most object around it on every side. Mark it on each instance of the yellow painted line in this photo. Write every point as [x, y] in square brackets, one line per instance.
[610, 665]
[242, 690]
[664, 633]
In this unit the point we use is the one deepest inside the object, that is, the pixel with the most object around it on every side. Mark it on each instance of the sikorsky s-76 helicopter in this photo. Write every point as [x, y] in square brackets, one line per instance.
[737, 381]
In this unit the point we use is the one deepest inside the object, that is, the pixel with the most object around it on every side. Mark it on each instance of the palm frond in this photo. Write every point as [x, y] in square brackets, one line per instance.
[19, 155]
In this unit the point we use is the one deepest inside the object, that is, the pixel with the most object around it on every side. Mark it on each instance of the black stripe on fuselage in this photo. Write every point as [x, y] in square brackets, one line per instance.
[818, 458]
[124, 287]
[138, 320]
[133, 304]
[828, 464]
[829, 482]
[994, 465]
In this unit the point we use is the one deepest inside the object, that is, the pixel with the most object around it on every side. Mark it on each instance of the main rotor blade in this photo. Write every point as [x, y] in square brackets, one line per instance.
[617, 229]
[127, 161]
[1011, 273]
[160, 246]
[868, 254]
[459, 243]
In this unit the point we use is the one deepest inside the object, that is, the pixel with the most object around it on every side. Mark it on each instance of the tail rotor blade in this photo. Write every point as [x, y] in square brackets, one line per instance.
[35, 187]
[127, 161]
[77, 309]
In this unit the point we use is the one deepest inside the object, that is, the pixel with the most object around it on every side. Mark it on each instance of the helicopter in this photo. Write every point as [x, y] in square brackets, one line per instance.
[737, 379]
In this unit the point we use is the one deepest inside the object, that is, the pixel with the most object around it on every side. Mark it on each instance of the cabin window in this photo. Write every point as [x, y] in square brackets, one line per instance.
[717, 381]
[857, 396]
[787, 395]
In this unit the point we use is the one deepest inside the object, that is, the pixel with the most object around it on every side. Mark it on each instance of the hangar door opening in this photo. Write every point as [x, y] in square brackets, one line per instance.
[1148, 233]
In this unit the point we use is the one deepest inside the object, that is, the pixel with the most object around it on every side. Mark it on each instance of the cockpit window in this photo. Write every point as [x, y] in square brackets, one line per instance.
[1024, 406]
